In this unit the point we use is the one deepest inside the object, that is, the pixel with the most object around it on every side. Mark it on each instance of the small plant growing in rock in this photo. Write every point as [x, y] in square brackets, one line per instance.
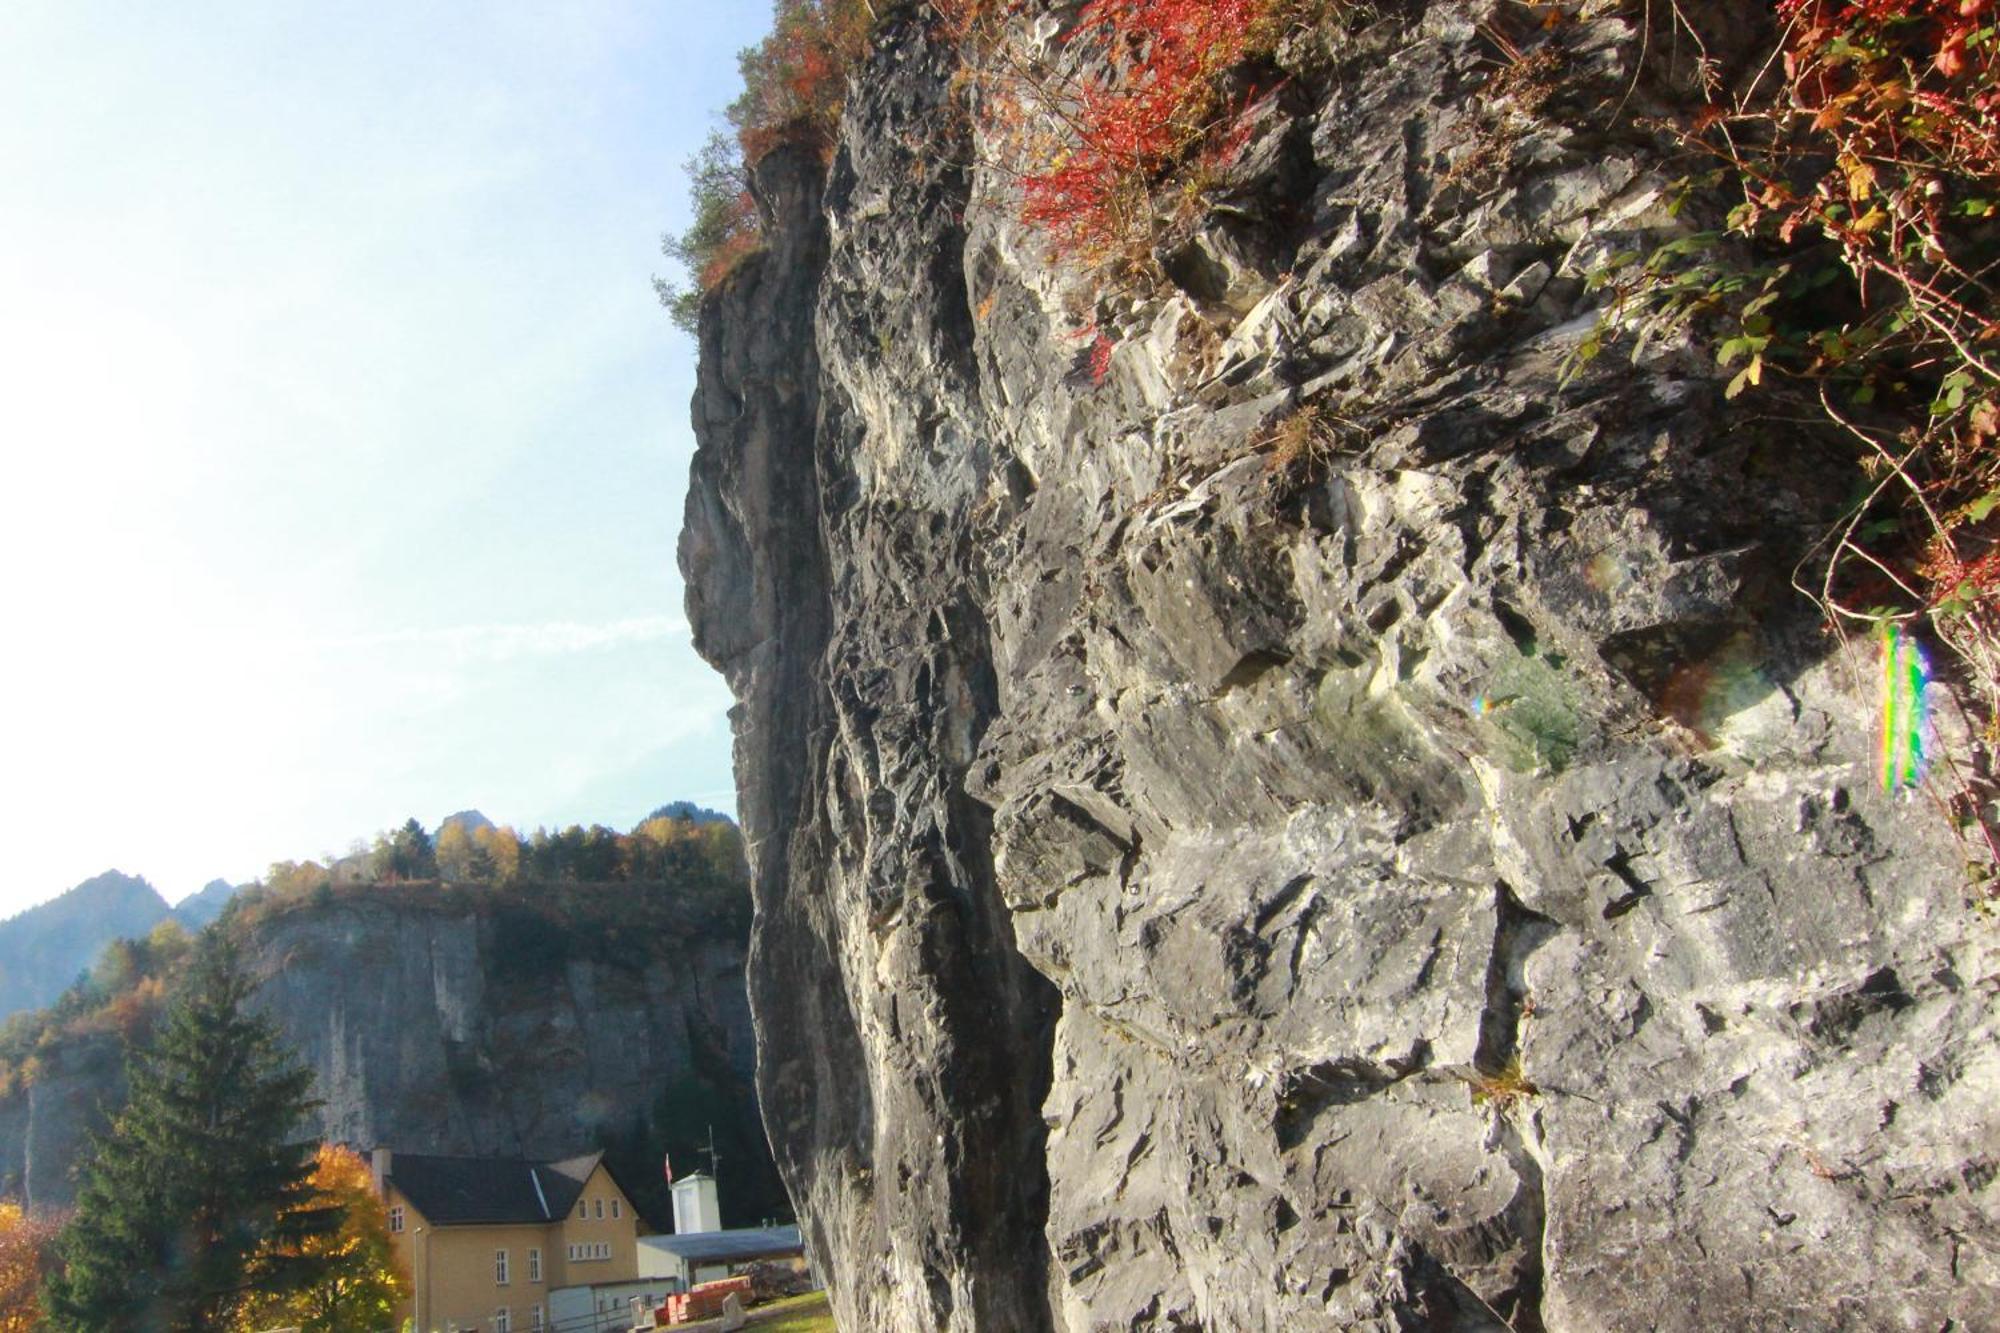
[1300, 439]
[1522, 82]
[1501, 1088]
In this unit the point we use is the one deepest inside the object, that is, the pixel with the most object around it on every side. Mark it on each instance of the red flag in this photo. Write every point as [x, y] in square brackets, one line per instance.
[667, 1161]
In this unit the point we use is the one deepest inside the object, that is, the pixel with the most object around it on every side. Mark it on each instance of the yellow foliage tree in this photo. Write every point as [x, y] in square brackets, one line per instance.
[24, 1256]
[457, 855]
[501, 848]
[296, 877]
[364, 1282]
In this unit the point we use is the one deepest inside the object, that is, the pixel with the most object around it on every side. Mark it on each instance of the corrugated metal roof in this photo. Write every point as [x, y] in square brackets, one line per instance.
[708, 1247]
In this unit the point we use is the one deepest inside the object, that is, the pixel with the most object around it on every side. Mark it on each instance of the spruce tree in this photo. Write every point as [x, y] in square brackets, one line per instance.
[199, 1191]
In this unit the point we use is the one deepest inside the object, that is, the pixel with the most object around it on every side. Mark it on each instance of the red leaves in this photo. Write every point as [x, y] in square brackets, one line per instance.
[1935, 31]
[1140, 110]
[1101, 348]
[726, 256]
[795, 79]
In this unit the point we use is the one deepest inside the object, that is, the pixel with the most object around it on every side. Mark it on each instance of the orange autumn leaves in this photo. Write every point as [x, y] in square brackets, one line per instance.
[26, 1249]
[363, 1282]
[360, 1291]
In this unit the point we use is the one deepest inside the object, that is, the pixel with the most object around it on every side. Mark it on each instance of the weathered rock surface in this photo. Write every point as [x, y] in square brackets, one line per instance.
[431, 1027]
[1439, 887]
[45, 1125]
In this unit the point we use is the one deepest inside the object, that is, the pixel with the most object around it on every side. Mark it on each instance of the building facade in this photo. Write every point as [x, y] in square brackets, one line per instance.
[487, 1240]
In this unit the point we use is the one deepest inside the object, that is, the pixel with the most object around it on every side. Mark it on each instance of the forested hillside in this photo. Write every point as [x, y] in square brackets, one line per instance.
[44, 948]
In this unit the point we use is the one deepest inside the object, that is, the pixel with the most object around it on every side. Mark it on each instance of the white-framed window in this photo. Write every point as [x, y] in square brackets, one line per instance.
[534, 1265]
[535, 1319]
[604, 1249]
[500, 1268]
[582, 1210]
[396, 1217]
[614, 1208]
[503, 1320]
[599, 1209]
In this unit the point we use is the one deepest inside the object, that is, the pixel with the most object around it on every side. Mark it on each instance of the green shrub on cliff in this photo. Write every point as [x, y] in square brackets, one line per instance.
[794, 82]
[723, 232]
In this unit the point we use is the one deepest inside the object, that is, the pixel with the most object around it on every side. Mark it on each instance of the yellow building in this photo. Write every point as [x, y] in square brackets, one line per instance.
[486, 1240]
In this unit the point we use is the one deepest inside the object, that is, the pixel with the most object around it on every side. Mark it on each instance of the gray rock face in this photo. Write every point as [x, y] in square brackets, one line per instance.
[46, 1125]
[437, 1028]
[1439, 887]
[422, 1028]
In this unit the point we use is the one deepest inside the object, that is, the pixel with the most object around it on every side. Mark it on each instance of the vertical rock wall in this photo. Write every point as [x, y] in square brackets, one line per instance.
[432, 1027]
[1436, 885]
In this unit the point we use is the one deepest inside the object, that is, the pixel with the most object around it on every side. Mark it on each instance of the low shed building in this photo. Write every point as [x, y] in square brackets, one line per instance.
[706, 1255]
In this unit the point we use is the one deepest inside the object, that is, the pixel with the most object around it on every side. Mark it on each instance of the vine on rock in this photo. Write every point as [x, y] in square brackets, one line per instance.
[1860, 174]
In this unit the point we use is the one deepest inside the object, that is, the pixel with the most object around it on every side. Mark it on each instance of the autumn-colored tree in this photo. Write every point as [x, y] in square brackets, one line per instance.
[457, 854]
[361, 1280]
[794, 82]
[796, 78]
[296, 877]
[26, 1248]
[501, 850]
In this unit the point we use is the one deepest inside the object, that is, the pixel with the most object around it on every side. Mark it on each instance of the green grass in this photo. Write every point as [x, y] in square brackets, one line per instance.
[799, 1314]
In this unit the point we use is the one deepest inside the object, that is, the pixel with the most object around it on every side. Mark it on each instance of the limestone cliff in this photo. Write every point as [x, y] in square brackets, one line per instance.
[469, 1022]
[1440, 885]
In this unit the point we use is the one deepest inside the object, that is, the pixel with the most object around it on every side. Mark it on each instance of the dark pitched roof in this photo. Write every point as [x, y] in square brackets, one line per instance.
[709, 1247]
[461, 1191]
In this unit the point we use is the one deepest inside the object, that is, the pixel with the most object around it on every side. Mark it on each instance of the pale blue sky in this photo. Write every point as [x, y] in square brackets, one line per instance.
[344, 440]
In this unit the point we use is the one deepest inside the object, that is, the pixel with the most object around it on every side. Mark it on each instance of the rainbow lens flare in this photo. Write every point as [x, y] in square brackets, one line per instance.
[1905, 671]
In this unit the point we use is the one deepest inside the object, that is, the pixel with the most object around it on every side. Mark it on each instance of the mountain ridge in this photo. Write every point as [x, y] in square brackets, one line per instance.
[44, 948]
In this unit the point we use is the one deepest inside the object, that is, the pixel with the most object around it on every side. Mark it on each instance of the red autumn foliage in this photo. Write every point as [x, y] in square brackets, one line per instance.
[1898, 78]
[795, 80]
[744, 240]
[1905, 96]
[1101, 348]
[1148, 99]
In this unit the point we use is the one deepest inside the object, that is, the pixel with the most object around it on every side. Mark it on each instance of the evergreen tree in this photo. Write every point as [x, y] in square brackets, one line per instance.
[196, 1195]
[404, 853]
[362, 1282]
